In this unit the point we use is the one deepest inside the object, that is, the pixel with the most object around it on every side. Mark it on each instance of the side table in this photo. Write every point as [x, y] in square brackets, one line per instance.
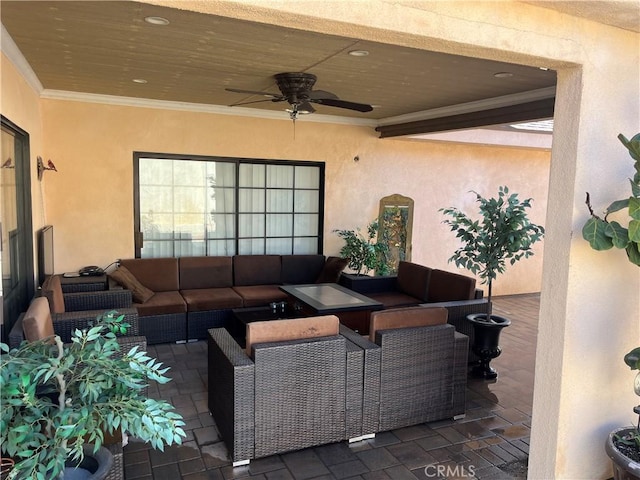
[85, 283]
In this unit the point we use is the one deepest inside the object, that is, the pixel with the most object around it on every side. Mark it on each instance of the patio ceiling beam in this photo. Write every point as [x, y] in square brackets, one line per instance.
[495, 116]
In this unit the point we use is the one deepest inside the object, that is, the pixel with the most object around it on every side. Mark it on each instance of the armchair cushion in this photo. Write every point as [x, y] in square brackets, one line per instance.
[301, 269]
[291, 329]
[333, 266]
[124, 277]
[256, 270]
[413, 279]
[37, 324]
[52, 289]
[447, 287]
[205, 272]
[406, 317]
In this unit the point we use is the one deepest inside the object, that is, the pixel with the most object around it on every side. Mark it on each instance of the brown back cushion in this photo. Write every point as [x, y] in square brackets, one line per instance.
[205, 272]
[37, 323]
[406, 317]
[124, 277]
[292, 329]
[52, 289]
[449, 287]
[413, 279]
[256, 270]
[332, 268]
[157, 274]
[301, 269]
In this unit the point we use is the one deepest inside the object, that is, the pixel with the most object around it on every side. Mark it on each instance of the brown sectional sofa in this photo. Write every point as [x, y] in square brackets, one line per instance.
[420, 285]
[193, 294]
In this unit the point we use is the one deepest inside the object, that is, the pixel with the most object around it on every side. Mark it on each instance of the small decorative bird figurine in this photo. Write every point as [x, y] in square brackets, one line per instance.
[7, 163]
[51, 166]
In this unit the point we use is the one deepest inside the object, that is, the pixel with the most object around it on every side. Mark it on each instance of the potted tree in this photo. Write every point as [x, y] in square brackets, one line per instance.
[502, 232]
[58, 398]
[365, 254]
[623, 445]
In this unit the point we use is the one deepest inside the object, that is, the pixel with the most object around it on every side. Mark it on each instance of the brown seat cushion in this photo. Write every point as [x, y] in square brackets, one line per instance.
[205, 272]
[406, 317]
[449, 287]
[36, 323]
[414, 279]
[162, 303]
[294, 329]
[203, 299]
[124, 277]
[333, 266]
[394, 299]
[52, 289]
[258, 295]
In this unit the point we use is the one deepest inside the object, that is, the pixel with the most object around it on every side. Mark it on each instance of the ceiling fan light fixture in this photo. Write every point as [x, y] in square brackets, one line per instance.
[157, 21]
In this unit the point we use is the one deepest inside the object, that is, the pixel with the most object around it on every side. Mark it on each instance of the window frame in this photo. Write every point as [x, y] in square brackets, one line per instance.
[138, 236]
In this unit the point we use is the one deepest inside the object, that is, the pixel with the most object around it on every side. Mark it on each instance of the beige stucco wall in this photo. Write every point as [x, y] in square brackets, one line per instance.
[90, 200]
[21, 104]
[590, 307]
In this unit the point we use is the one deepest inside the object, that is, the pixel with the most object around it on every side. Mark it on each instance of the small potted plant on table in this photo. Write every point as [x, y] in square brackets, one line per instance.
[56, 398]
[503, 232]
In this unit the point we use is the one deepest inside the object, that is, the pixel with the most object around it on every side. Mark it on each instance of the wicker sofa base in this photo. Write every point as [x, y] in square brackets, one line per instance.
[170, 327]
[199, 322]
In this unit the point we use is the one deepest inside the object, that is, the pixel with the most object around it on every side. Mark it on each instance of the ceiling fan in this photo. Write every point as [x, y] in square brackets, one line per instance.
[296, 89]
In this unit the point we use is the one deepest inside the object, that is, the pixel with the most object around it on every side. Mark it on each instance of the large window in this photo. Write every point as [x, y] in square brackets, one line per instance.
[196, 206]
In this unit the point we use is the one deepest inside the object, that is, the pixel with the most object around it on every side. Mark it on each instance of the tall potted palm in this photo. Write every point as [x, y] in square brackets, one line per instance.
[623, 445]
[502, 232]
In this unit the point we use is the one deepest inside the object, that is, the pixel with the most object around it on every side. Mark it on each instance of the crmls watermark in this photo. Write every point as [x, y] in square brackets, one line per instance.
[457, 471]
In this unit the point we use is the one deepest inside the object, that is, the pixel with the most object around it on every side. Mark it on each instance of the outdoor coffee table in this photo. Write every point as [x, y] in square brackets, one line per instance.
[352, 308]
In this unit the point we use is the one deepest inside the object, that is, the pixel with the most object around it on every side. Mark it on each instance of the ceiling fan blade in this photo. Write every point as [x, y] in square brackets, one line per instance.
[306, 107]
[319, 94]
[253, 92]
[257, 101]
[332, 102]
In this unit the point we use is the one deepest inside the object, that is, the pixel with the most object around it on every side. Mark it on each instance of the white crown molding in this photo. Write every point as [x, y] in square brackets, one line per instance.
[479, 105]
[199, 107]
[13, 53]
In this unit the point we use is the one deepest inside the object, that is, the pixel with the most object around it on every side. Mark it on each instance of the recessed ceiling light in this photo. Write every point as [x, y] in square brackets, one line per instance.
[139, 80]
[156, 20]
[503, 74]
[358, 53]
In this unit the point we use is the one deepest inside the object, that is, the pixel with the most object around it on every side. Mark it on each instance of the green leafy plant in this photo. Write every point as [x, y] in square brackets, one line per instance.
[56, 397]
[364, 253]
[502, 232]
[603, 234]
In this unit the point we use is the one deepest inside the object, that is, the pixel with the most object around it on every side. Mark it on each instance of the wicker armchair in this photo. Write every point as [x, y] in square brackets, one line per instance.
[423, 369]
[70, 311]
[288, 395]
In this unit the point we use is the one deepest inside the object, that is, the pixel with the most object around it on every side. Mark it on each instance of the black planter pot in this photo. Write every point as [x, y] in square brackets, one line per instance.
[94, 466]
[623, 467]
[486, 344]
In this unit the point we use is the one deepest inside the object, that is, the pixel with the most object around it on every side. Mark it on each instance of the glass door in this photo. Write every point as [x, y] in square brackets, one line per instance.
[16, 252]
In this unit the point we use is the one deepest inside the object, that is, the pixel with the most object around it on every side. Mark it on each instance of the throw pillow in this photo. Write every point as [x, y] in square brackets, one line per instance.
[124, 277]
[52, 289]
[333, 266]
